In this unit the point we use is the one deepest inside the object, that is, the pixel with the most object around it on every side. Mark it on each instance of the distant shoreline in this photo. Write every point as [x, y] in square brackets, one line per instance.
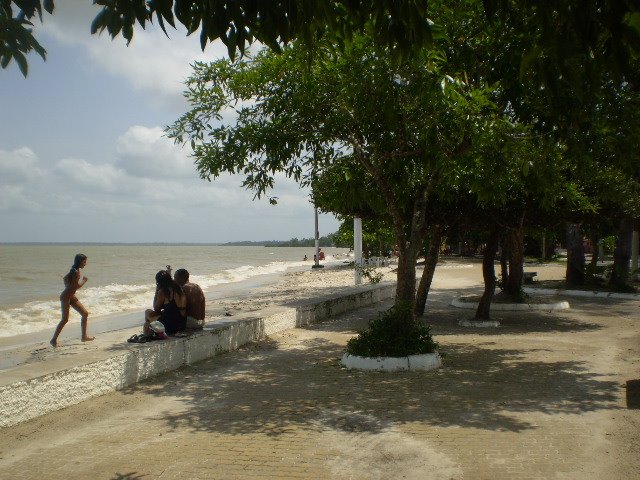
[265, 243]
[112, 243]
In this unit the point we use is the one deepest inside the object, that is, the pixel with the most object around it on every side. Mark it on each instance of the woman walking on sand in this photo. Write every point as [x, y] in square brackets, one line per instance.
[72, 282]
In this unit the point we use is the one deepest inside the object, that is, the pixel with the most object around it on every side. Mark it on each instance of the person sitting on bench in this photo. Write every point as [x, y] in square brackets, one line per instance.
[195, 299]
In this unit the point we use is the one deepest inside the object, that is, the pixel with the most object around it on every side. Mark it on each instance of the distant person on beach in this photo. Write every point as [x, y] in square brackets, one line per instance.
[320, 254]
[305, 258]
[195, 299]
[169, 305]
[73, 281]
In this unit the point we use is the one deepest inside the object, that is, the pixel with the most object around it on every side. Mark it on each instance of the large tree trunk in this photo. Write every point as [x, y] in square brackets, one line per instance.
[515, 240]
[575, 255]
[622, 255]
[489, 274]
[430, 263]
[406, 286]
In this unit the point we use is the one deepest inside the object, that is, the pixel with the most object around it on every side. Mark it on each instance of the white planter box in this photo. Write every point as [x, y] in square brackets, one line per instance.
[426, 361]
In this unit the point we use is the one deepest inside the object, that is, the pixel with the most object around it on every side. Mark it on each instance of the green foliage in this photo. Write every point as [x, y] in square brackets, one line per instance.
[400, 25]
[609, 243]
[395, 333]
[377, 236]
[16, 37]
[325, 241]
[347, 189]
[370, 273]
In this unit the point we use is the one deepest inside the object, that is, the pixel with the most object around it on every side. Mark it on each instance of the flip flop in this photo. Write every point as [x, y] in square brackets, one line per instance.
[142, 338]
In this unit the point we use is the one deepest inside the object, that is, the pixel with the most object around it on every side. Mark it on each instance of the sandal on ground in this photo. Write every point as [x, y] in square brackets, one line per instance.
[141, 338]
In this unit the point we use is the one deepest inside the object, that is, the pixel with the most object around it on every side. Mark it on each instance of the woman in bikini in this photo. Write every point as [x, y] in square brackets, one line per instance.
[72, 282]
[169, 305]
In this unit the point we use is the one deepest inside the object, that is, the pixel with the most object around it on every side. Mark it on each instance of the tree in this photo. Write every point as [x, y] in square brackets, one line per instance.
[555, 63]
[407, 124]
[551, 37]
[400, 24]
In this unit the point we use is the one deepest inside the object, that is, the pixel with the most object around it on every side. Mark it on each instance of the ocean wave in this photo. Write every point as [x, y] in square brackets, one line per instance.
[117, 298]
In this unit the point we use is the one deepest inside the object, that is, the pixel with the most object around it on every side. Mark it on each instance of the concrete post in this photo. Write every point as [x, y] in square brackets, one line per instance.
[600, 250]
[357, 249]
[317, 255]
[635, 241]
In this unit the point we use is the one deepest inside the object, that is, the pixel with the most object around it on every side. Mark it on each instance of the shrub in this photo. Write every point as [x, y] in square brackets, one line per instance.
[395, 333]
[370, 273]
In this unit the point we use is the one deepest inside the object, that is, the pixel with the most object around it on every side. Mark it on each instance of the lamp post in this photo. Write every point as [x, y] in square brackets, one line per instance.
[357, 249]
[316, 263]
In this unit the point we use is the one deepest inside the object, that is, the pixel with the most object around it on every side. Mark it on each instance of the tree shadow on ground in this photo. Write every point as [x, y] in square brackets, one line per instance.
[267, 390]
[584, 314]
[444, 319]
[445, 322]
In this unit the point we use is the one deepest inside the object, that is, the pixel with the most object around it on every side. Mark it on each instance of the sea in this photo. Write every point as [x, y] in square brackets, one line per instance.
[121, 277]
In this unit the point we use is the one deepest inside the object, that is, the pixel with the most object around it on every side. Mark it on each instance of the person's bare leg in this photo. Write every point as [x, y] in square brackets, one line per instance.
[78, 307]
[64, 305]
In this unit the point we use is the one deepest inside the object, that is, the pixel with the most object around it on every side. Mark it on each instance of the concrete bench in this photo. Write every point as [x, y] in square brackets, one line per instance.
[35, 388]
[529, 276]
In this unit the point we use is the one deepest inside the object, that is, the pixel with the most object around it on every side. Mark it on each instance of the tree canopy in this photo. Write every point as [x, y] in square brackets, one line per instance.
[400, 24]
[561, 39]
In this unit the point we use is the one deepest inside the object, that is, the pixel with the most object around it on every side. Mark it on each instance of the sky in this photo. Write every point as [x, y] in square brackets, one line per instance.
[83, 157]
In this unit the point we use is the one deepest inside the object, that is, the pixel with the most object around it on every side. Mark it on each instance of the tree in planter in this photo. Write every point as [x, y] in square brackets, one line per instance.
[609, 156]
[349, 191]
[559, 89]
[518, 176]
[407, 124]
[618, 138]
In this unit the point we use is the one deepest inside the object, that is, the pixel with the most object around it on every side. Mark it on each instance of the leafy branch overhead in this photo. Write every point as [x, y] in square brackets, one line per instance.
[400, 24]
[16, 37]
[559, 35]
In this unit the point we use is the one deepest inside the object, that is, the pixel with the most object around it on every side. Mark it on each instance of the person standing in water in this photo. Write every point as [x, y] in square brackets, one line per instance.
[72, 282]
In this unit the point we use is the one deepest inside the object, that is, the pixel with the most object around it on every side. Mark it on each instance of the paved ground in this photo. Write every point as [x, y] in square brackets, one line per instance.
[543, 396]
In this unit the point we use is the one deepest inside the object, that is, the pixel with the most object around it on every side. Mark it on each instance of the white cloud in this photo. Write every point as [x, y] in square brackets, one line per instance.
[146, 152]
[143, 187]
[101, 178]
[151, 63]
[19, 165]
[14, 198]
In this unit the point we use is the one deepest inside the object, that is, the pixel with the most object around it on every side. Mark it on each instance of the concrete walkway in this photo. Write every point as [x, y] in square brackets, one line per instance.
[541, 397]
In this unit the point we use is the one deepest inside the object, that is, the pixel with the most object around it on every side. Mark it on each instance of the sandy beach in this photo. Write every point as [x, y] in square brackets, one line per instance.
[544, 396]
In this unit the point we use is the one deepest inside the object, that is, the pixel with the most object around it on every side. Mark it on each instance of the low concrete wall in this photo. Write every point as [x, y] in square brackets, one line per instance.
[127, 364]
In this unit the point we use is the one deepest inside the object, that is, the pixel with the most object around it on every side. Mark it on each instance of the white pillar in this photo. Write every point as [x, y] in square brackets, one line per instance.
[635, 246]
[600, 250]
[316, 264]
[357, 248]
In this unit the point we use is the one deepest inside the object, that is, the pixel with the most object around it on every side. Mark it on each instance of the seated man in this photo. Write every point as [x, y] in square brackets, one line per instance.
[195, 299]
